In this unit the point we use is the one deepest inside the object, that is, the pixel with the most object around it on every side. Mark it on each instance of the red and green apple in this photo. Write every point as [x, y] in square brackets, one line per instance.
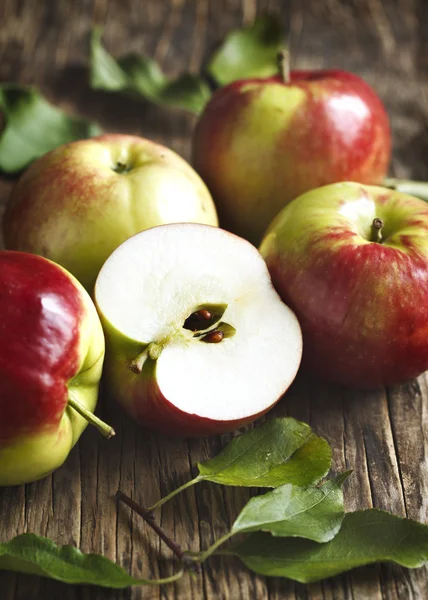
[352, 262]
[262, 142]
[197, 340]
[51, 356]
[76, 204]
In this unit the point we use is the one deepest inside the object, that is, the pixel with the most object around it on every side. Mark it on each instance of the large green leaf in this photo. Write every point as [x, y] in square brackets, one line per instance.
[34, 127]
[248, 52]
[280, 451]
[365, 537]
[30, 553]
[315, 513]
[139, 76]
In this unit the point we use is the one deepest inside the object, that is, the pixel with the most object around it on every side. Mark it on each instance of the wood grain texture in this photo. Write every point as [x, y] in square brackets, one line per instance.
[382, 435]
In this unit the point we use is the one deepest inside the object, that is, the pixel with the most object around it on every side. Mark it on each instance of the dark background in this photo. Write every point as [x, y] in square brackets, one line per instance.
[382, 435]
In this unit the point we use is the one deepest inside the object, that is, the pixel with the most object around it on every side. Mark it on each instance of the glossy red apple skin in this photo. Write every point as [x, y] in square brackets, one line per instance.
[39, 349]
[260, 143]
[362, 305]
[51, 342]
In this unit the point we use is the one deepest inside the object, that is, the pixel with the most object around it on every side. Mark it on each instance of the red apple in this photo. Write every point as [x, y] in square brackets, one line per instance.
[76, 204]
[51, 356]
[197, 341]
[352, 262]
[262, 142]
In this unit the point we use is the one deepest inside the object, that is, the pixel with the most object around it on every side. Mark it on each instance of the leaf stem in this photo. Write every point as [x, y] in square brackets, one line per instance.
[202, 556]
[106, 430]
[165, 580]
[171, 495]
[149, 518]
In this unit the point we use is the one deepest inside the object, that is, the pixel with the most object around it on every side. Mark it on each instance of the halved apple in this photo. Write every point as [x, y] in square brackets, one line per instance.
[198, 341]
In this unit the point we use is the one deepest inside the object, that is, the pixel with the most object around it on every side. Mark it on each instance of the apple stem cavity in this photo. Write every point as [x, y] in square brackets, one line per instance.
[121, 167]
[152, 351]
[106, 430]
[284, 65]
[377, 230]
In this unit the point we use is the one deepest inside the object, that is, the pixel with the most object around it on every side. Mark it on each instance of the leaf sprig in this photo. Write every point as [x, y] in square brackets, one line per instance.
[297, 530]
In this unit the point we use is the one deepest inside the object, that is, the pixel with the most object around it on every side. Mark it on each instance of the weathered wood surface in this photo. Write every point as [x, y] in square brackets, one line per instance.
[382, 435]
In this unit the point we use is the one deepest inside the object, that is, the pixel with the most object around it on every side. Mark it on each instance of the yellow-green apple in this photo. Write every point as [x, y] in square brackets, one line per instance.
[51, 356]
[262, 142]
[76, 204]
[197, 340]
[352, 261]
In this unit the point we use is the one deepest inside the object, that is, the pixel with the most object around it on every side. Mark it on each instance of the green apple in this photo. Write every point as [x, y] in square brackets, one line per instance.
[198, 341]
[51, 356]
[352, 262]
[76, 204]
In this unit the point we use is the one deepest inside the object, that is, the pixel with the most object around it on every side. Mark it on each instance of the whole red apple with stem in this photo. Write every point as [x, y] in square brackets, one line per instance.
[76, 204]
[262, 142]
[51, 356]
[352, 262]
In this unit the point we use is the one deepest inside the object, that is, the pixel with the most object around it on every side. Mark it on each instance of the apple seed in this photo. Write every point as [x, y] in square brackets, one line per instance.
[213, 337]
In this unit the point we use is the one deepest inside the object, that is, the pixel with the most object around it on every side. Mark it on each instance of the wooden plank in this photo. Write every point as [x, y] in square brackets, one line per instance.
[381, 435]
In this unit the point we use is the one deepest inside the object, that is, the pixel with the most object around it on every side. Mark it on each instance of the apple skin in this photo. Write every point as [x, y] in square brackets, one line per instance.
[51, 344]
[73, 207]
[260, 143]
[362, 305]
[140, 396]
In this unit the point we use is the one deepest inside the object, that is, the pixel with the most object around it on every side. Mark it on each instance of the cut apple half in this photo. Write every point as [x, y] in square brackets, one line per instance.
[198, 341]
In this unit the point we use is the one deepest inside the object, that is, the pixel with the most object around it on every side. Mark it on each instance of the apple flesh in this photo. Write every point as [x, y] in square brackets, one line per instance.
[51, 356]
[262, 142]
[76, 204]
[352, 262]
[198, 341]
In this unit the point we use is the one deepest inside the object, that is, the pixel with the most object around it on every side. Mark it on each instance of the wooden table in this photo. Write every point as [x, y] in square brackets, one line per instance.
[382, 435]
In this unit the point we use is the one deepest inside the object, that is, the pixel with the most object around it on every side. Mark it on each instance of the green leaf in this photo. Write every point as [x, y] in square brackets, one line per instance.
[365, 537]
[315, 513]
[280, 451]
[407, 186]
[34, 127]
[248, 52]
[30, 553]
[139, 76]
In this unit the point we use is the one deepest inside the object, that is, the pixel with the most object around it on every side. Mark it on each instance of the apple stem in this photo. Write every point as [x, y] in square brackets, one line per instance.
[377, 230]
[284, 65]
[153, 351]
[106, 430]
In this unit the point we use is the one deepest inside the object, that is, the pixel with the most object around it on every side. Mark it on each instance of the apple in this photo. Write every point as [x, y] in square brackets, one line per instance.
[197, 340]
[76, 204]
[352, 261]
[51, 356]
[260, 143]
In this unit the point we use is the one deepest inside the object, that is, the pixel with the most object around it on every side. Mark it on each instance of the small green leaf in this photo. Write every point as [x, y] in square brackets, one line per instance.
[280, 451]
[248, 52]
[34, 127]
[139, 76]
[407, 186]
[366, 537]
[37, 555]
[315, 513]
